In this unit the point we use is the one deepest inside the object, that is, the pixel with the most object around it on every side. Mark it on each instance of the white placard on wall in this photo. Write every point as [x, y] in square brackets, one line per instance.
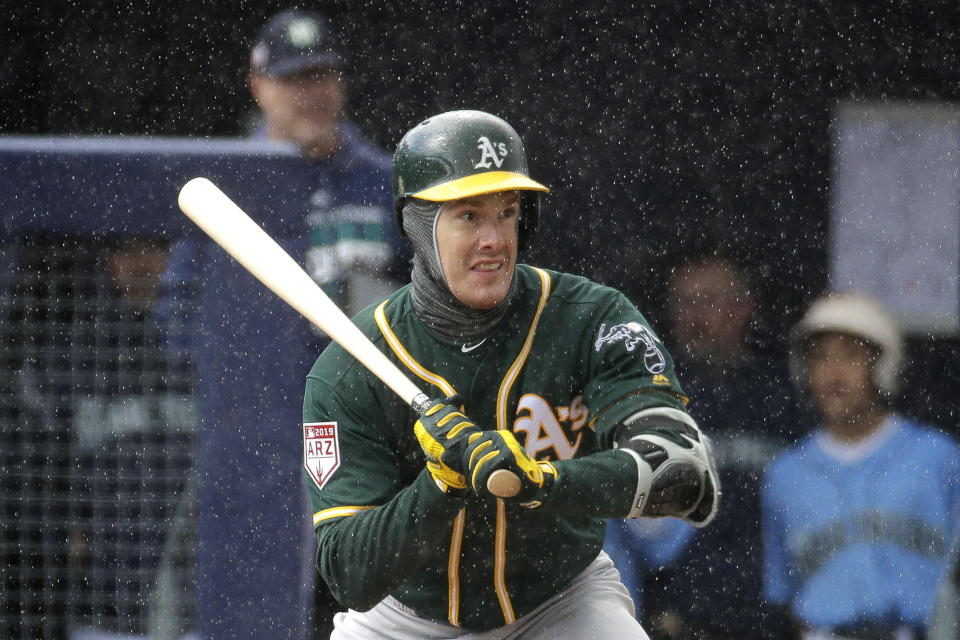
[895, 210]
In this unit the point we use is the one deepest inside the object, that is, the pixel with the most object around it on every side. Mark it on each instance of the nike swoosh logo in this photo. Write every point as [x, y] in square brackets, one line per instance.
[467, 349]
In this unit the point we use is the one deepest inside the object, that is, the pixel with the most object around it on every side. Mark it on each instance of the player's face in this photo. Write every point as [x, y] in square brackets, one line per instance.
[136, 268]
[840, 370]
[477, 243]
[710, 311]
[303, 108]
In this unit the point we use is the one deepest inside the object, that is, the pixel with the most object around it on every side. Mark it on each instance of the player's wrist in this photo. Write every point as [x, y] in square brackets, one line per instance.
[449, 483]
[535, 492]
[426, 485]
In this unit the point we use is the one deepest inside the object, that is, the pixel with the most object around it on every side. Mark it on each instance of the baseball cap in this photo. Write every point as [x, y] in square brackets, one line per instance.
[293, 41]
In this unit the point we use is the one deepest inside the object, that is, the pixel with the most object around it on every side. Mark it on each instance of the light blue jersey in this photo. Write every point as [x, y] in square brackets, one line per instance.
[861, 541]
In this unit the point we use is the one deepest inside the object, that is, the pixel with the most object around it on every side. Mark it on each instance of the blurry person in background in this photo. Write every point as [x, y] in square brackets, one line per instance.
[296, 79]
[859, 516]
[354, 252]
[945, 620]
[134, 415]
[711, 589]
[139, 385]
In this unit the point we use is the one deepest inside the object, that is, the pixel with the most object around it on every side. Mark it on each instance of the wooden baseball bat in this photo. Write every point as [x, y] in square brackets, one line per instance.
[241, 237]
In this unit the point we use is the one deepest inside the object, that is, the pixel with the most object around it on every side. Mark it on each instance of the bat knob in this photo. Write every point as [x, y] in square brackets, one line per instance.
[420, 403]
[503, 483]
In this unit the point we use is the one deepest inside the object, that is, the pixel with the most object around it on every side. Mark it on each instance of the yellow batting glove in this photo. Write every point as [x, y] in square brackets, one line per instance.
[443, 432]
[489, 451]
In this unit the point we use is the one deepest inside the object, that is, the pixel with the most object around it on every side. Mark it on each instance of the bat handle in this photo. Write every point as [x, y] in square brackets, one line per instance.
[501, 483]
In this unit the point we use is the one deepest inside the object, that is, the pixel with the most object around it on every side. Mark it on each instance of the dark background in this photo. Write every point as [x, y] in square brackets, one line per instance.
[657, 124]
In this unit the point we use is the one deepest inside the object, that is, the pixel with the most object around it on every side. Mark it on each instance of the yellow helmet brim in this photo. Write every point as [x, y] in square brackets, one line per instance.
[479, 184]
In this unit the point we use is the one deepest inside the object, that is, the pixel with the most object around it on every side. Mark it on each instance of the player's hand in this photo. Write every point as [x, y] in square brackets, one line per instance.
[683, 477]
[442, 432]
[490, 451]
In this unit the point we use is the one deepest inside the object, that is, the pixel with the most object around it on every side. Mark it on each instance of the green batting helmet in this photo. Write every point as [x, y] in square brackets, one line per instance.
[459, 154]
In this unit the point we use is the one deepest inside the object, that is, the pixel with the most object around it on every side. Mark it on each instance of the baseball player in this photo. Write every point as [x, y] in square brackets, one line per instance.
[354, 252]
[546, 374]
[858, 517]
[296, 78]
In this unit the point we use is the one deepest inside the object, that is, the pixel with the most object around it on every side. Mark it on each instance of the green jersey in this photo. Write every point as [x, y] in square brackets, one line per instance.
[568, 362]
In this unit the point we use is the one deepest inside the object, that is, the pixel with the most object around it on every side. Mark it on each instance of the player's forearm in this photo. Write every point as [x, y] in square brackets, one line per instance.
[601, 485]
[364, 558]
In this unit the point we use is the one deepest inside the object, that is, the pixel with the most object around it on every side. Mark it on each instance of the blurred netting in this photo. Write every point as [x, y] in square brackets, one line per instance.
[98, 414]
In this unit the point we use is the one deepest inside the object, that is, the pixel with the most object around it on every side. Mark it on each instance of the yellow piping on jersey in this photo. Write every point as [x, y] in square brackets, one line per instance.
[336, 512]
[514, 371]
[456, 540]
[500, 560]
[453, 570]
[500, 557]
[404, 355]
[502, 396]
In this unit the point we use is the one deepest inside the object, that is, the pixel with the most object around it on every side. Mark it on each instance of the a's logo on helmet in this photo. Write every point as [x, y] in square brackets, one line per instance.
[490, 151]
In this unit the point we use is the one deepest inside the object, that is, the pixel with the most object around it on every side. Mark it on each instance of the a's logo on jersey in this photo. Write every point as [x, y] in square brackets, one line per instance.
[321, 451]
[544, 429]
[490, 151]
[632, 334]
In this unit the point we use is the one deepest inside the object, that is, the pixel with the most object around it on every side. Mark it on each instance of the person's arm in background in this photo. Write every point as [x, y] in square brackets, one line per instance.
[779, 585]
[945, 621]
[174, 309]
[638, 546]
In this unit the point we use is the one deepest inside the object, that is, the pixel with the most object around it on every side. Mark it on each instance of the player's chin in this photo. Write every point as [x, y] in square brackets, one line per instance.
[483, 295]
[837, 409]
[313, 128]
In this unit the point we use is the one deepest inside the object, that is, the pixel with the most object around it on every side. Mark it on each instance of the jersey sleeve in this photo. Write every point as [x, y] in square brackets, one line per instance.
[363, 472]
[628, 368]
[378, 520]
